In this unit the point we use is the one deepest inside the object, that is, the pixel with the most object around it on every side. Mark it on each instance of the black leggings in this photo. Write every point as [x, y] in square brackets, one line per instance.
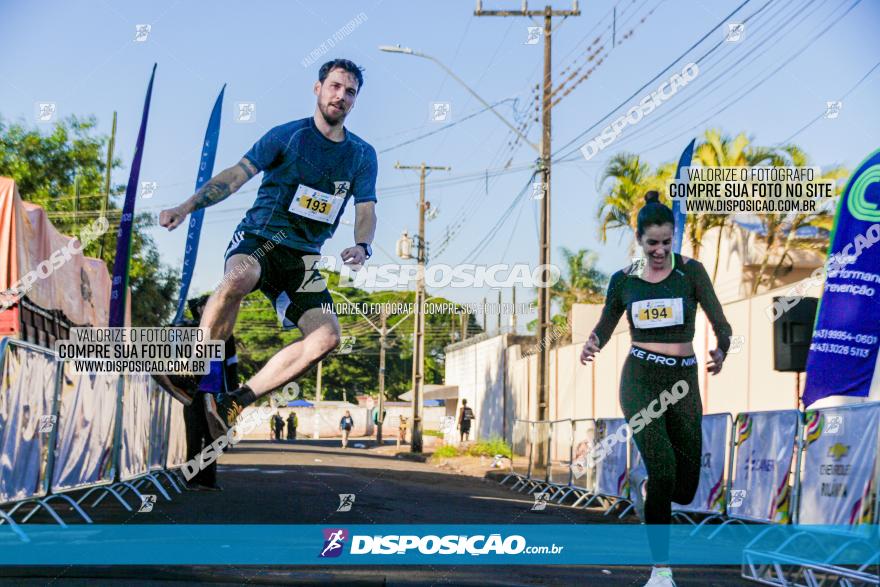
[670, 440]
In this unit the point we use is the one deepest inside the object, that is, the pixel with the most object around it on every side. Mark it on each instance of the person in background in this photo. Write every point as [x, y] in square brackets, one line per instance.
[465, 416]
[346, 423]
[279, 425]
[198, 434]
[292, 422]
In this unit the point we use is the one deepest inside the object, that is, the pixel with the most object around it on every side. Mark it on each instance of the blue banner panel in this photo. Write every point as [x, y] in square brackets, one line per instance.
[843, 352]
[439, 544]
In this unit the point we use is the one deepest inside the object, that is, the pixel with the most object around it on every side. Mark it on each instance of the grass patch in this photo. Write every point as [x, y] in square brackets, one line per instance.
[436, 433]
[489, 448]
[447, 451]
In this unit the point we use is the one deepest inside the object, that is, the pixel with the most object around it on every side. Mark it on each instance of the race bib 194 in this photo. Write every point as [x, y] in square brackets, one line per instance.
[317, 205]
[657, 313]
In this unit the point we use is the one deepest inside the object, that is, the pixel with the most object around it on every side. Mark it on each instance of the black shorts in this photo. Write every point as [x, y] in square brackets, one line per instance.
[289, 278]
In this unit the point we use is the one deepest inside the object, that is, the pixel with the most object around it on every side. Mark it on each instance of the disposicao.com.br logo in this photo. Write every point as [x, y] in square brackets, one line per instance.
[479, 544]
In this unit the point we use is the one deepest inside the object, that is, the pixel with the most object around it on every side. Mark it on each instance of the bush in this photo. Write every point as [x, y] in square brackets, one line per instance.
[490, 448]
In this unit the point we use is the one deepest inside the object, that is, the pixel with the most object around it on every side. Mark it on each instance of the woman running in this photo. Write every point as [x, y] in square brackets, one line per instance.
[660, 294]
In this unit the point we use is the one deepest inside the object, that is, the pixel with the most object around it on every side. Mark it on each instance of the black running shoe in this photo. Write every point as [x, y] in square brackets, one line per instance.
[222, 411]
[184, 395]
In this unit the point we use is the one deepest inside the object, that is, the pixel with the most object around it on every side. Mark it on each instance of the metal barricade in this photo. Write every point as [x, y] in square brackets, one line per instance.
[28, 428]
[560, 452]
[583, 484]
[836, 504]
[521, 447]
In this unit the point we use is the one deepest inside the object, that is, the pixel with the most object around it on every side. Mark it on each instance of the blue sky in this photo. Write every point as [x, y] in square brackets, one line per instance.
[81, 55]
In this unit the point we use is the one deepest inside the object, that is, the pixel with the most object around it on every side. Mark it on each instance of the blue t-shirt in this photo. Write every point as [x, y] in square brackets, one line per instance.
[297, 153]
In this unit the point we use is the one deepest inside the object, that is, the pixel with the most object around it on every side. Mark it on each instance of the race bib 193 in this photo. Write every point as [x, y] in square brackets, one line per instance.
[317, 205]
[657, 313]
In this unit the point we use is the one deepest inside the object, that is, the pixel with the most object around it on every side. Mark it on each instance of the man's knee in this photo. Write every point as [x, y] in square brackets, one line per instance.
[240, 277]
[322, 342]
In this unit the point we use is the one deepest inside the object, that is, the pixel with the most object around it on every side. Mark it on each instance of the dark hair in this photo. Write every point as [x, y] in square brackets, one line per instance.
[345, 65]
[195, 305]
[653, 213]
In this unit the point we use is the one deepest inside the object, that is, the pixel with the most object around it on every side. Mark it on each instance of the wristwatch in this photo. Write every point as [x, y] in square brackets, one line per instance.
[368, 250]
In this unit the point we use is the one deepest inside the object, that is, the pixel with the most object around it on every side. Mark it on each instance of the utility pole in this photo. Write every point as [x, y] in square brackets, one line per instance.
[105, 201]
[418, 372]
[513, 315]
[499, 311]
[544, 167]
[382, 338]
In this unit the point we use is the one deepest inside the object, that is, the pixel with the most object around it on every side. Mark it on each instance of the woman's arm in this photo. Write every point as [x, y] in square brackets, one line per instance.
[710, 304]
[611, 313]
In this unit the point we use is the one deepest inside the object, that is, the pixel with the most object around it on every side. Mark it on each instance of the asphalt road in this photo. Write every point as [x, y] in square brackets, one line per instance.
[300, 483]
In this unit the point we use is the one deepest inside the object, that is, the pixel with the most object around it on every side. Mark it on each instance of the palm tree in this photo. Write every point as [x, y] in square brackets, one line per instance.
[720, 150]
[626, 180]
[781, 229]
[582, 284]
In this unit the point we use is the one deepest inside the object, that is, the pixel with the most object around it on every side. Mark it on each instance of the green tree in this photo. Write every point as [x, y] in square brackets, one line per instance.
[780, 230]
[50, 168]
[720, 150]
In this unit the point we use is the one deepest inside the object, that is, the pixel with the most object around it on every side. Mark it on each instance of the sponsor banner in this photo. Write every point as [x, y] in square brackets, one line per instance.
[611, 478]
[839, 465]
[380, 544]
[710, 493]
[678, 212]
[206, 169]
[28, 417]
[849, 306]
[765, 447]
[122, 262]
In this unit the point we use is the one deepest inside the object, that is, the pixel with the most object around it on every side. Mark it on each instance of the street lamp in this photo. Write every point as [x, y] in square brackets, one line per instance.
[409, 51]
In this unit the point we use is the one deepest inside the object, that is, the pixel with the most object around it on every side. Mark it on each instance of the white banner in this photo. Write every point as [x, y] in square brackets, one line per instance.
[839, 465]
[137, 401]
[710, 493]
[583, 469]
[159, 415]
[611, 470]
[176, 437]
[765, 446]
[27, 418]
[87, 415]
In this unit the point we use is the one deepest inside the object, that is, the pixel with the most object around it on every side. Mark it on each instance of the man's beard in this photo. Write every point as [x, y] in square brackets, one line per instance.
[330, 119]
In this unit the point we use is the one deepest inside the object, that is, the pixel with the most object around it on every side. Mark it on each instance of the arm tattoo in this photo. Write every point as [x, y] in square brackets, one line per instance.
[248, 169]
[211, 193]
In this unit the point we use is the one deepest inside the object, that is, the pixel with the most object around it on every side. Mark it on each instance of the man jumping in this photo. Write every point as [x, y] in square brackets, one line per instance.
[311, 167]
